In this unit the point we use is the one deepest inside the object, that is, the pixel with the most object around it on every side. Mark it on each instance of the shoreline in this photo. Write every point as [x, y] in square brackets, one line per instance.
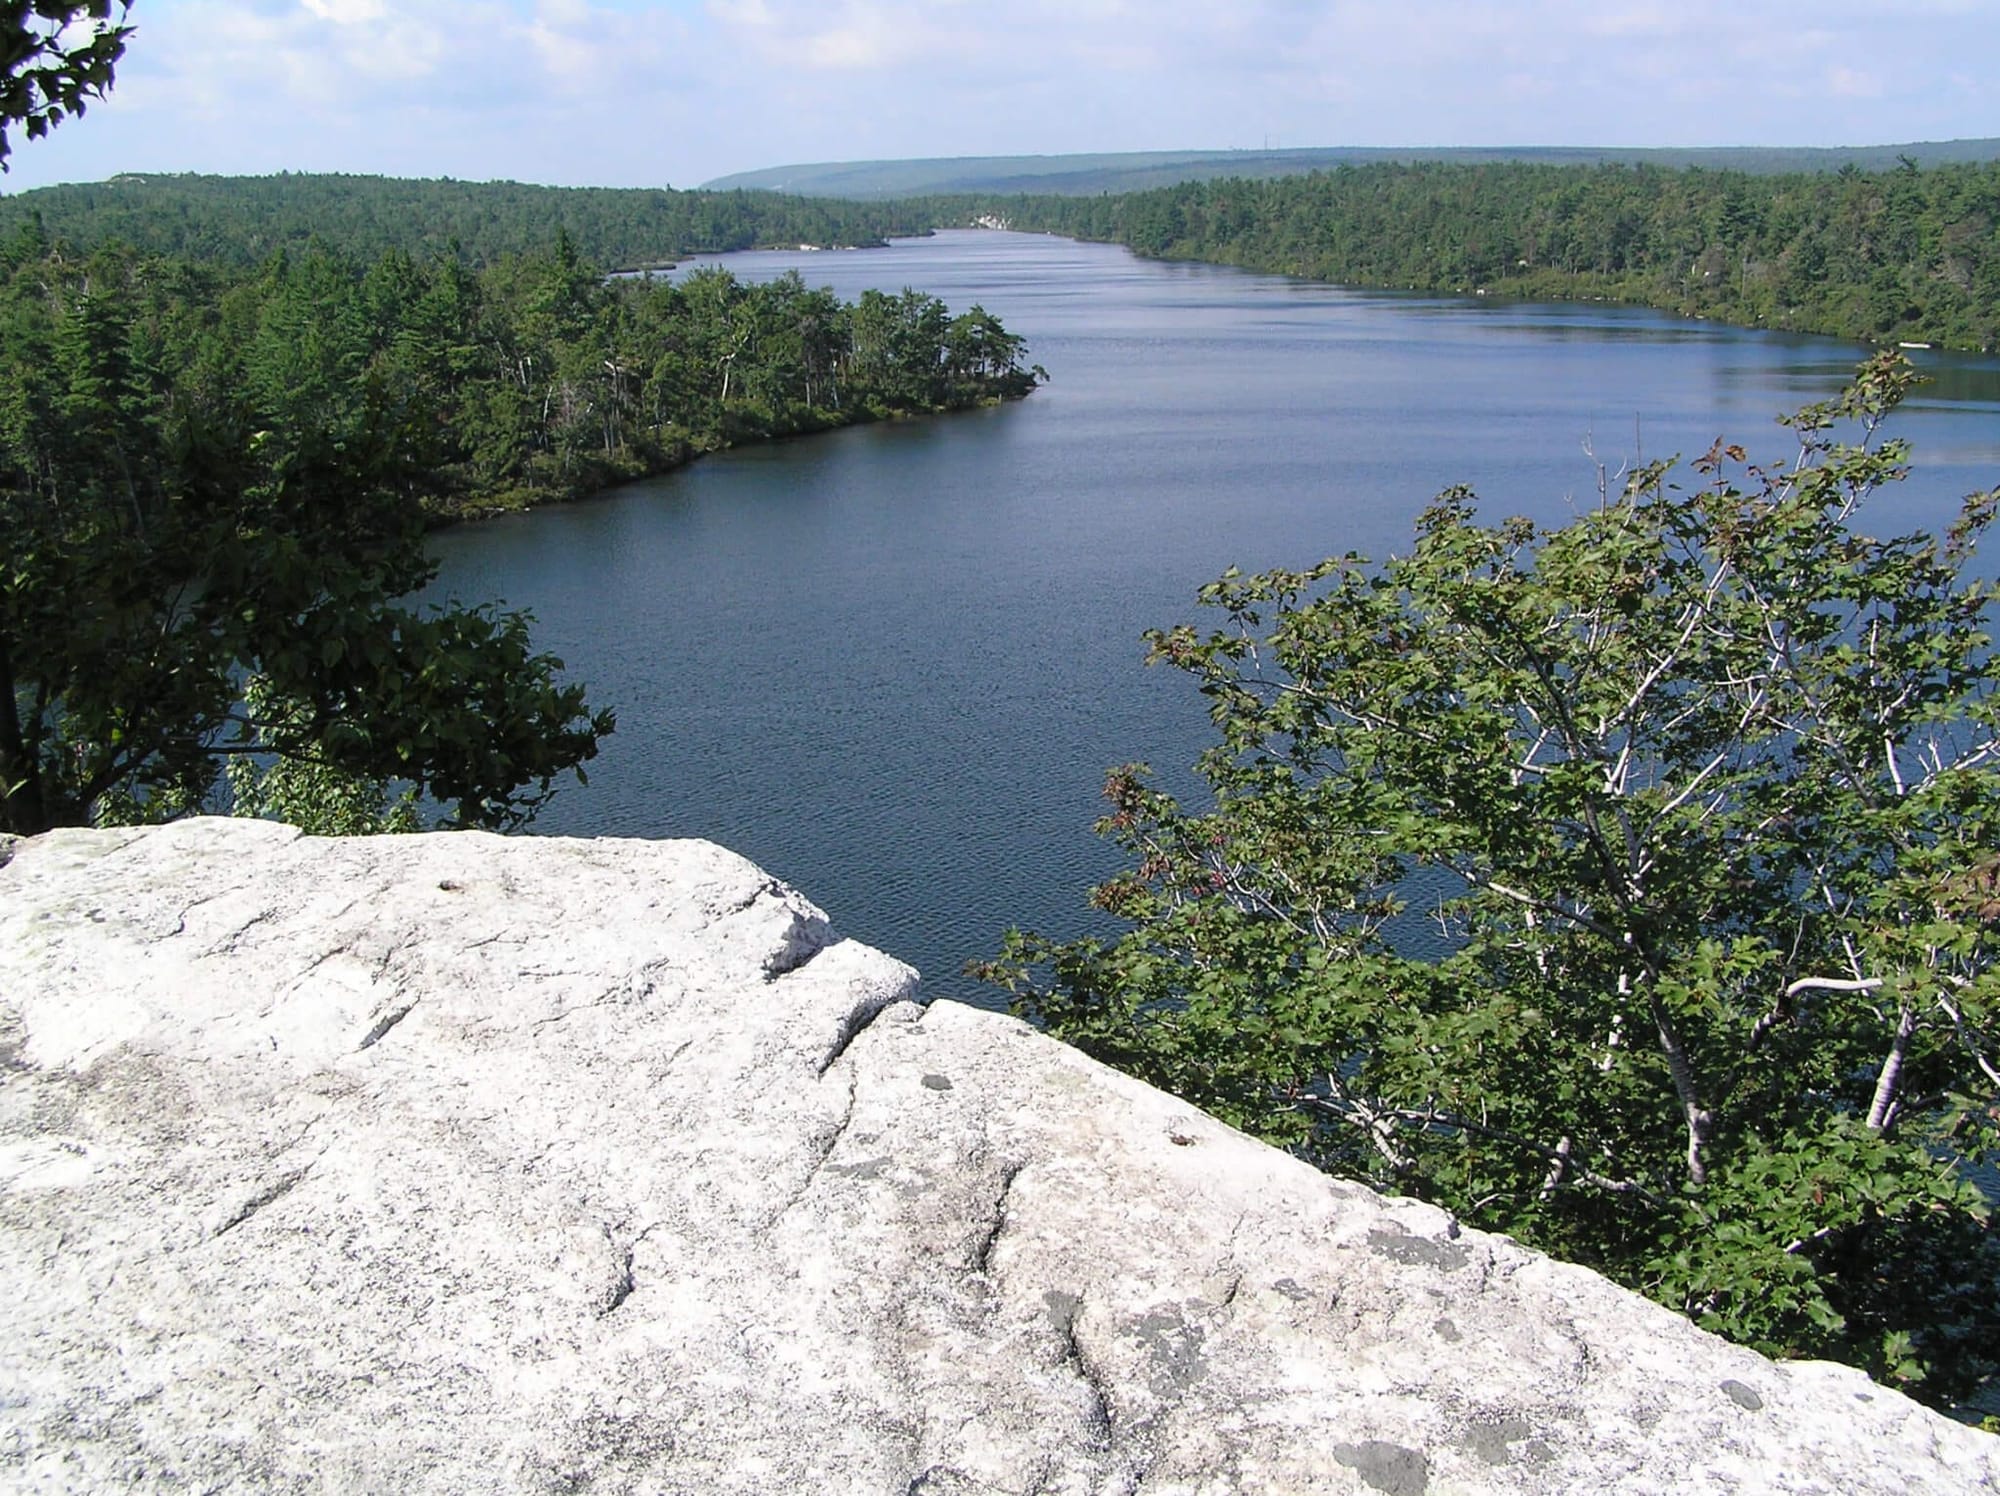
[686, 452]
[1534, 291]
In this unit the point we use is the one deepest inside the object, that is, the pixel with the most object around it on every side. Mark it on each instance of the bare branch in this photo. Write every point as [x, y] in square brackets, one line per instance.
[1571, 1175]
[1881, 1110]
[1832, 984]
[1546, 906]
[1985, 1065]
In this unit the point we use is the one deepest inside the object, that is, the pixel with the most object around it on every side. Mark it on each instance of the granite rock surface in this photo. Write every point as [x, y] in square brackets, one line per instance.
[464, 1163]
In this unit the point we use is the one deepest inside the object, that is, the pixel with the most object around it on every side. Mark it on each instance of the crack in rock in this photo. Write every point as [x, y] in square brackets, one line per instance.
[386, 1022]
[989, 1242]
[823, 1149]
[634, 989]
[320, 960]
[852, 1024]
[181, 921]
[621, 1286]
[280, 1187]
[608, 1000]
[769, 888]
[499, 937]
[404, 940]
[625, 1283]
[1064, 1309]
[833, 1138]
[227, 946]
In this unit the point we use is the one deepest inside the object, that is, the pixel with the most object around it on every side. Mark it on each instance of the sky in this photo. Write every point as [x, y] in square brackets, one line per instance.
[677, 92]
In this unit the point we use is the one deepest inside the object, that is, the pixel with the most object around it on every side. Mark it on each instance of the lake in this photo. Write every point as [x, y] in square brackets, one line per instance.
[892, 663]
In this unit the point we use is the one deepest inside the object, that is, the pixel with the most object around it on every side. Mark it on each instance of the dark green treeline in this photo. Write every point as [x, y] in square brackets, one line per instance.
[242, 221]
[1900, 255]
[532, 380]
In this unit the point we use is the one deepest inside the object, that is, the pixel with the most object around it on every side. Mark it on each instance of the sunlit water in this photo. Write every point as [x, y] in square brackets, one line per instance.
[892, 664]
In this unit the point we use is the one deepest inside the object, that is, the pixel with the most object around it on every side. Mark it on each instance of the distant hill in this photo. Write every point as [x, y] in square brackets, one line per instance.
[1134, 171]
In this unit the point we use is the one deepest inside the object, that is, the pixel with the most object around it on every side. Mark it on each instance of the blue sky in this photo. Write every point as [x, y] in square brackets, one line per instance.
[674, 92]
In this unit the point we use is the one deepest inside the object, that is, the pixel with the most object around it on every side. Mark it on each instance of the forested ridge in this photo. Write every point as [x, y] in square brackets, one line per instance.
[243, 220]
[1898, 255]
[1089, 174]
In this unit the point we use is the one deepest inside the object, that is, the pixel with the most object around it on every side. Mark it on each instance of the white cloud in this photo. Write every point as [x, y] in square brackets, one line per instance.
[1851, 83]
[752, 13]
[346, 12]
[858, 35]
[629, 91]
[1631, 20]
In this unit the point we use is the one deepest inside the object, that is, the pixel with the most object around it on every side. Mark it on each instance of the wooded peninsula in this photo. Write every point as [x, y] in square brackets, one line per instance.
[534, 378]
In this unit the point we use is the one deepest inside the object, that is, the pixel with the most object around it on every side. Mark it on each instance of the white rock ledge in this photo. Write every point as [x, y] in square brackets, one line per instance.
[462, 1163]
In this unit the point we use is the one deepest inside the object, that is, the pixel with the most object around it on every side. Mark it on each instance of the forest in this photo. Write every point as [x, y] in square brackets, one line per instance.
[241, 221]
[1903, 255]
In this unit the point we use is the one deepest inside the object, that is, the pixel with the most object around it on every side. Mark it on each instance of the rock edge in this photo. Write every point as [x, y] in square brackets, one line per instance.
[468, 1163]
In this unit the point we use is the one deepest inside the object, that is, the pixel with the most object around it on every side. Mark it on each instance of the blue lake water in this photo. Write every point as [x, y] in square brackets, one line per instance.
[891, 664]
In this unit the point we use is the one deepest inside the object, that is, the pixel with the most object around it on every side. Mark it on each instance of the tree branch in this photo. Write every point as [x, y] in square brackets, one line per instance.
[1978, 1055]
[1882, 1109]
[1832, 984]
[1566, 1173]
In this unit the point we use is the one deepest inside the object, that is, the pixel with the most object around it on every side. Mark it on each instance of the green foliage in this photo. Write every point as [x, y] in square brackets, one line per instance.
[196, 488]
[309, 793]
[1891, 255]
[55, 55]
[1700, 794]
[215, 473]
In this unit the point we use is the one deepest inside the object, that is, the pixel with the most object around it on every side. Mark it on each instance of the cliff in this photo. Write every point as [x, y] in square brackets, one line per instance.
[461, 1163]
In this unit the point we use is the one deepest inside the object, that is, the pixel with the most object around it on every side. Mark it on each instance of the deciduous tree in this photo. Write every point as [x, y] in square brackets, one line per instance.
[1632, 887]
[172, 526]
